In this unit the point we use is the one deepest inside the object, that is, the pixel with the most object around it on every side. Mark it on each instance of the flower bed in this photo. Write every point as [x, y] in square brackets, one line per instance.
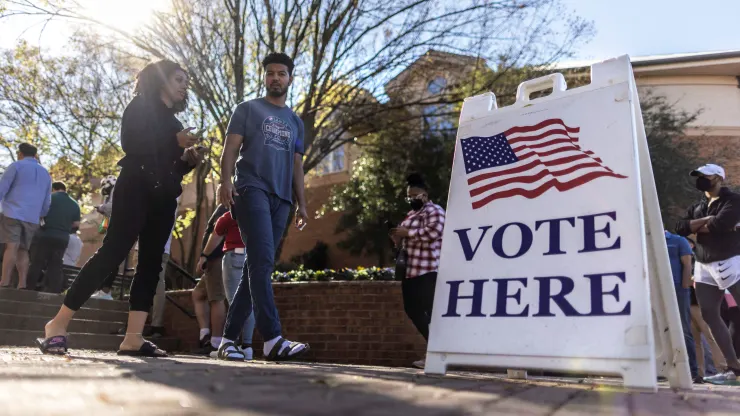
[302, 275]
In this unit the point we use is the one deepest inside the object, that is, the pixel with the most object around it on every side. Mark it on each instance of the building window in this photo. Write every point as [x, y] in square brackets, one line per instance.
[332, 163]
[436, 86]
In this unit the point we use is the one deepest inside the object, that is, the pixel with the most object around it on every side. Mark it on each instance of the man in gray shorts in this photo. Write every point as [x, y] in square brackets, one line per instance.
[25, 191]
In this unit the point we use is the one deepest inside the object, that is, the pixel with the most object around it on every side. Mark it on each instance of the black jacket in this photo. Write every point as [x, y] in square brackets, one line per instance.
[722, 241]
[149, 138]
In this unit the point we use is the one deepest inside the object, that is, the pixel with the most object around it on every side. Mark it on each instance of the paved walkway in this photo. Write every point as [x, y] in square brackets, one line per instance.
[91, 382]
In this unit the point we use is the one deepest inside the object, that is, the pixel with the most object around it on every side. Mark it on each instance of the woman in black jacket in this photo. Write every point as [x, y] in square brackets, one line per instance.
[159, 152]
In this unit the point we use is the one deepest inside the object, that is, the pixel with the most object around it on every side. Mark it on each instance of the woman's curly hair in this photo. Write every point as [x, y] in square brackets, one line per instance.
[151, 79]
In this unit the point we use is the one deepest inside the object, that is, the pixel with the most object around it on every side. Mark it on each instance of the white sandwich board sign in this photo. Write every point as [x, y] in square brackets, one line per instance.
[553, 255]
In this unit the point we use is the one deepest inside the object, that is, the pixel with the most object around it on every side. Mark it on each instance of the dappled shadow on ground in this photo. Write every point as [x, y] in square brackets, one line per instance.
[205, 386]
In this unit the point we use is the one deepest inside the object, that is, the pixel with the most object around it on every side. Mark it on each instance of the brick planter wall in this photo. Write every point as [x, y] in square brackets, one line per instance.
[345, 322]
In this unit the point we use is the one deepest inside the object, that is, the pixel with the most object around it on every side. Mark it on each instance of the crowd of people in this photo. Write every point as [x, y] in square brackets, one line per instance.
[706, 277]
[38, 225]
[261, 180]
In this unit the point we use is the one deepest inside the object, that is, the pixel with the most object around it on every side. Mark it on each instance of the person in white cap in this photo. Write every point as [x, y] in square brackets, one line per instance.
[714, 220]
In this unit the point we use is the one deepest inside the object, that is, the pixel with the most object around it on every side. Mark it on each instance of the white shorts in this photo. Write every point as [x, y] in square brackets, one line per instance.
[722, 274]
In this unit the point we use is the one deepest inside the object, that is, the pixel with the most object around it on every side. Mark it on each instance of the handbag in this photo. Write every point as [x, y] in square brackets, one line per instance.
[402, 262]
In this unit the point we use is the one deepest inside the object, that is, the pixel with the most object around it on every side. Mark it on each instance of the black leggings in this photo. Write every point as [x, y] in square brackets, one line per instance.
[141, 212]
[418, 298]
[710, 300]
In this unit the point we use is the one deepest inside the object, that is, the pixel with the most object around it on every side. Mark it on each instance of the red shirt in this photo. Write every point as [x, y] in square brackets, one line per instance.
[227, 226]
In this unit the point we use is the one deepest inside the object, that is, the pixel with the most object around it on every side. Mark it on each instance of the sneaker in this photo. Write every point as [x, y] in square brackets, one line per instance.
[420, 364]
[102, 295]
[205, 346]
[722, 377]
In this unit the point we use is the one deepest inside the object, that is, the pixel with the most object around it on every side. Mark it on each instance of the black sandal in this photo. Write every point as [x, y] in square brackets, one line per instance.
[285, 355]
[147, 349]
[235, 354]
[56, 345]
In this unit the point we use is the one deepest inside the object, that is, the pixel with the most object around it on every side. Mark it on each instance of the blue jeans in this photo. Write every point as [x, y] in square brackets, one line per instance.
[232, 265]
[261, 218]
[683, 296]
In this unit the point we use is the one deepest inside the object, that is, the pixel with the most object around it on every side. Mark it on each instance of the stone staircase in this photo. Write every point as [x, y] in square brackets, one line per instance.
[24, 313]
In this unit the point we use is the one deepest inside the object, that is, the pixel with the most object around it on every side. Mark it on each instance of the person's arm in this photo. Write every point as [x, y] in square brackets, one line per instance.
[77, 218]
[298, 189]
[726, 219]
[432, 228]
[213, 241]
[234, 139]
[138, 136]
[686, 271]
[7, 180]
[685, 254]
[217, 213]
[47, 200]
[688, 224]
[301, 218]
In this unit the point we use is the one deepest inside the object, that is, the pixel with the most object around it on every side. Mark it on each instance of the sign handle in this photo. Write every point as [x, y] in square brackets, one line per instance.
[526, 88]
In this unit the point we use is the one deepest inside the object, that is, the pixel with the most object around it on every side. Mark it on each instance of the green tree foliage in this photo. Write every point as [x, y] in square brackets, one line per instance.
[373, 200]
[68, 105]
[374, 196]
[672, 155]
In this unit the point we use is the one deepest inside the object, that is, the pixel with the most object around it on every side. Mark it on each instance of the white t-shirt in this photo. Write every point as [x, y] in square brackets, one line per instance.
[74, 248]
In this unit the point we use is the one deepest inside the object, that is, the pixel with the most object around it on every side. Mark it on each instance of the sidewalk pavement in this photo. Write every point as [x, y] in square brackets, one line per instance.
[96, 383]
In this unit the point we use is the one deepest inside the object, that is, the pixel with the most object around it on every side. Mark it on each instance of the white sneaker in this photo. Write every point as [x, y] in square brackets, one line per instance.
[420, 364]
[719, 378]
[103, 295]
[96, 295]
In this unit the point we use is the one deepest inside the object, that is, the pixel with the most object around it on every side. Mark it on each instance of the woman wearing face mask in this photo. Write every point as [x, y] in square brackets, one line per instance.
[420, 236]
[714, 220]
[158, 153]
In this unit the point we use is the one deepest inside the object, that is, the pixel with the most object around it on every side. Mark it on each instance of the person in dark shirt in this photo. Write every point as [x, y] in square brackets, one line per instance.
[158, 153]
[50, 243]
[714, 220]
[679, 256]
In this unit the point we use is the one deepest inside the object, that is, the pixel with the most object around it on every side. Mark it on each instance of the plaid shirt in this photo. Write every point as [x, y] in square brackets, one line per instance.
[425, 239]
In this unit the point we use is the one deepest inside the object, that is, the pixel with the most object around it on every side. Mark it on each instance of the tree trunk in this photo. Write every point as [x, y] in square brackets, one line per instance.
[200, 193]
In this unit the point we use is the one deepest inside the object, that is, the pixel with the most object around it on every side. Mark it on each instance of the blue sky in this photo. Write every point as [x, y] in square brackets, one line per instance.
[635, 27]
[658, 27]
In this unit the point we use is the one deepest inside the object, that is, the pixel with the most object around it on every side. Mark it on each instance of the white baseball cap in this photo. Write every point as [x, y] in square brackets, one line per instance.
[709, 170]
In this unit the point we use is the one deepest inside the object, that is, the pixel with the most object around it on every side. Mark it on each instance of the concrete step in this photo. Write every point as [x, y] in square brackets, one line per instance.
[10, 307]
[55, 299]
[36, 323]
[22, 338]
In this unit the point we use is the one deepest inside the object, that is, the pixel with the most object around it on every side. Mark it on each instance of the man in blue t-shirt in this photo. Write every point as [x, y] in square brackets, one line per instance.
[679, 255]
[267, 137]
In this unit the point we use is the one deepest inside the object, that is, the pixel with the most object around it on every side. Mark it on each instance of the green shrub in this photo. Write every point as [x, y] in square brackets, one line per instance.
[301, 274]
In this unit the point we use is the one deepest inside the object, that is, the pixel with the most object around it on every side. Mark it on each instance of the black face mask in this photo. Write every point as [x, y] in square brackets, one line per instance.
[703, 184]
[416, 204]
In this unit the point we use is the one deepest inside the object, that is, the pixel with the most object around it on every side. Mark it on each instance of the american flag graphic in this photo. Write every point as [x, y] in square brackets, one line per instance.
[527, 161]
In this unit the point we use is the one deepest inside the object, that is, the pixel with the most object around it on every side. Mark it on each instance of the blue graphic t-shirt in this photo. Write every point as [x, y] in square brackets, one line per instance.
[272, 135]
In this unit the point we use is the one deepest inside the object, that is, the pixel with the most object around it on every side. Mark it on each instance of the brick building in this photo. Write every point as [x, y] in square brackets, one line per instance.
[705, 82]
